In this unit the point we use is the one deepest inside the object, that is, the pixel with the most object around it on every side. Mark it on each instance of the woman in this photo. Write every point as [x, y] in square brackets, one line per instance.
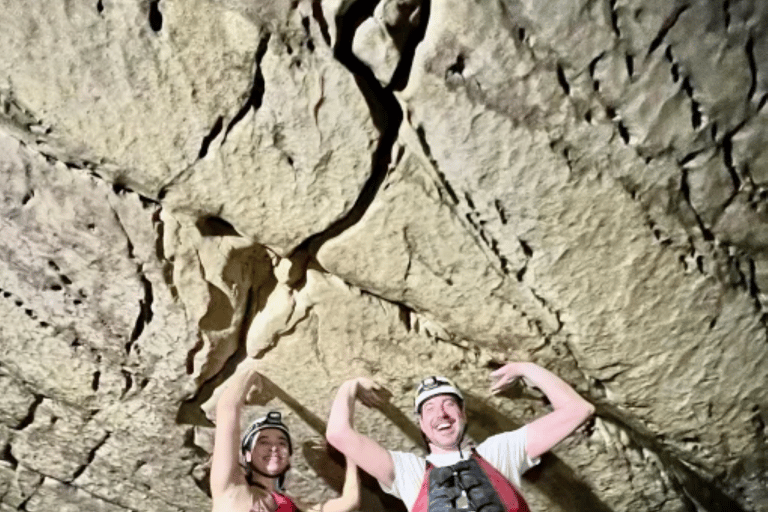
[266, 449]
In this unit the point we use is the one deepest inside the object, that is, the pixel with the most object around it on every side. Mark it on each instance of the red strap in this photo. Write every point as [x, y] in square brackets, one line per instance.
[510, 496]
[284, 503]
[422, 500]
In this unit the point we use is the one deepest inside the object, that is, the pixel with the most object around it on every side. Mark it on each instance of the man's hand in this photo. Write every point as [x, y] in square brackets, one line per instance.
[361, 449]
[507, 375]
[370, 393]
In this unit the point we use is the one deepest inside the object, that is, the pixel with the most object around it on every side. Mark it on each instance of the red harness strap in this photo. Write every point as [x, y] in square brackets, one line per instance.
[509, 495]
[511, 498]
[422, 500]
[284, 503]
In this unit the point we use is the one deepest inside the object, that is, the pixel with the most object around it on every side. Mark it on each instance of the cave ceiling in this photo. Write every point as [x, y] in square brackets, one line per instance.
[389, 188]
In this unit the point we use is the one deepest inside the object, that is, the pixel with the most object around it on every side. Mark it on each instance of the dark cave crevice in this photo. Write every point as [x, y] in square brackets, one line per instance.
[750, 51]
[386, 116]
[7, 456]
[91, 456]
[155, 16]
[614, 15]
[145, 303]
[666, 27]
[629, 60]
[212, 226]
[726, 13]
[408, 47]
[422, 138]
[317, 14]
[562, 80]
[215, 130]
[704, 491]
[30, 416]
[256, 95]
[145, 310]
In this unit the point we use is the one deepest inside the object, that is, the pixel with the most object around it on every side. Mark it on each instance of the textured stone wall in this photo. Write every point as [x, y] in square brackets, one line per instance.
[391, 188]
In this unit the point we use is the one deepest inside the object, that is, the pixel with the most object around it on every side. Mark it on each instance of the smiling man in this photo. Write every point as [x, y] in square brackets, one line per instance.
[455, 475]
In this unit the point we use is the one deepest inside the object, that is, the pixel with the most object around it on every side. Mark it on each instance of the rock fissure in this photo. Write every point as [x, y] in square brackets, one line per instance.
[562, 80]
[703, 490]
[7, 456]
[190, 411]
[424, 144]
[410, 43]
[215, 130]
[317, 14]
[749, 49]
[695, 108]
[91, 456]
[145, 304]
[256, 95]
[145, 310]
[386, 115]
[155, 16]
[85, 490]
[614, 15]
[670, 22]
[30, 417]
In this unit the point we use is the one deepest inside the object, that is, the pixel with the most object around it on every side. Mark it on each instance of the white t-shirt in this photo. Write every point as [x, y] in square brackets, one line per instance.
[506, 452]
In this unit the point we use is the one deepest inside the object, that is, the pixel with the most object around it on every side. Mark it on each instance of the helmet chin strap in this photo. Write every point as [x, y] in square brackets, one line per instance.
[461, 439]
[268, 475]
[278, 483]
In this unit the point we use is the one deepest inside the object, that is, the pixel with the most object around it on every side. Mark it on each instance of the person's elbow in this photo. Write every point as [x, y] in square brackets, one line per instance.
[337, 436]
[583, 411]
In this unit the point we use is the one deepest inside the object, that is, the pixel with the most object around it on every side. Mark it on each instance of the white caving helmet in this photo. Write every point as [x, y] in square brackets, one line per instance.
[433, 386]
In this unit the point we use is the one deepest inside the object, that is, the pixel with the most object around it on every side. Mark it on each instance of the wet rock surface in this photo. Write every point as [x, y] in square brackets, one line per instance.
[393, 189]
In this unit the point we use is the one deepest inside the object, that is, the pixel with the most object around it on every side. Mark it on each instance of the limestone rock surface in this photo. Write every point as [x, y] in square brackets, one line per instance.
[395, 189]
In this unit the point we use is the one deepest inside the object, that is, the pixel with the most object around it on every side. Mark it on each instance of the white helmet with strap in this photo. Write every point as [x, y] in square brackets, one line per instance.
[273, 419]
[433, 386]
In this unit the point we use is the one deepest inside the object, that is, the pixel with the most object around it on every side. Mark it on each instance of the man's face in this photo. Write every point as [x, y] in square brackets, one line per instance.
[442, 420]
[270, 454]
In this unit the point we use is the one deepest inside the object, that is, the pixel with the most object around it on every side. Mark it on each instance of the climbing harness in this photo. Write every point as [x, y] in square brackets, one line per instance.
[471, 485]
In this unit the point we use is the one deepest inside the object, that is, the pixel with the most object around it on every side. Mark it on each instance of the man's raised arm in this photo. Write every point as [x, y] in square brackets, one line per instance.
[570, 409]
[361, 449]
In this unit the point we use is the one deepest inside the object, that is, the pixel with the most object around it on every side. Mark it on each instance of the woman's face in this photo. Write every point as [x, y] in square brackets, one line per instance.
[270, 452]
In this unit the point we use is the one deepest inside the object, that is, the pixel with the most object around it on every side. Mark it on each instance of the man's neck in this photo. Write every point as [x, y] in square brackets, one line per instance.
[437, 450]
